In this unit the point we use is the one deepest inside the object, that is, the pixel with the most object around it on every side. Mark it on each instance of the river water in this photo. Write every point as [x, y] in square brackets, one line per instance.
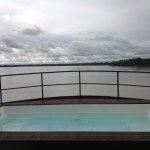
[73, 90]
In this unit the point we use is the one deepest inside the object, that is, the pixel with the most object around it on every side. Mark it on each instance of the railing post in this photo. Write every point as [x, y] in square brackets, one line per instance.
[118, 94]
[1, 90]
[79, 83]
[42, 85]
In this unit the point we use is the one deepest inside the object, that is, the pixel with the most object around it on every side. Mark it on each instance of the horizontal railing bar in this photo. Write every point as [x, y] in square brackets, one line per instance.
[74, 71]
[60, 84]
[56, 85]
[20, 74]
[81, 71]
[133, 71]
[21, 87]
[134, 85]
[114, 71]
[116, 84]
[36, 73]
[99, 83]
[74, 84]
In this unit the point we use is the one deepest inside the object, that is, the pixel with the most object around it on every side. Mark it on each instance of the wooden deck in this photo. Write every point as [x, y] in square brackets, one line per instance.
[77, 136]
[79, 100]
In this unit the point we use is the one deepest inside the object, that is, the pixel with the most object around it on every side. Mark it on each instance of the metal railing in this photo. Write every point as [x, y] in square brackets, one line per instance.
[80, 83]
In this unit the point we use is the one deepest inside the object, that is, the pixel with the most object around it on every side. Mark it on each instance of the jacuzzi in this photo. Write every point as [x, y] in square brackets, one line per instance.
[77, 121]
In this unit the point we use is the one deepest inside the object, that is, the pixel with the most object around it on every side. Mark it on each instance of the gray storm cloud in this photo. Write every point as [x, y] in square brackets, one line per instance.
[12, 43]
[4, 49]
[96, 47]
[74, 31]
[32, 31]
[104, 45]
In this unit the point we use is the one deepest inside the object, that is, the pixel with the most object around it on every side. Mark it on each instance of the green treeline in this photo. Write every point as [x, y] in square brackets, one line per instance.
[132, 62]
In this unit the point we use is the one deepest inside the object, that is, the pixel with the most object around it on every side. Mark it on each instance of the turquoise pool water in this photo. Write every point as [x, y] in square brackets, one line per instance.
[121, 118]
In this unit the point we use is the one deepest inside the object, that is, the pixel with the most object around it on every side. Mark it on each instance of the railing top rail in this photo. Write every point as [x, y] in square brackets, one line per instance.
[114, 71]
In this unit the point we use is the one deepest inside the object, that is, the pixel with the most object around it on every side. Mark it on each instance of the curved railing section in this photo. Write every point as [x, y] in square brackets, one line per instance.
[41, 85]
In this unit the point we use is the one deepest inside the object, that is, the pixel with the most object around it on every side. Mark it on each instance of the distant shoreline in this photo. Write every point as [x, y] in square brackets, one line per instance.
[31, 65]
[134, 62]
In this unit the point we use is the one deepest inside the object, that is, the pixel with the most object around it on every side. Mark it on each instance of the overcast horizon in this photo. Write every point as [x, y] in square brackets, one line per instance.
[73, 31]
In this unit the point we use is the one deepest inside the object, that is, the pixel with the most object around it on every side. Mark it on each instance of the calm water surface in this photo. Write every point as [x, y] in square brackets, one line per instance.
[73, 90]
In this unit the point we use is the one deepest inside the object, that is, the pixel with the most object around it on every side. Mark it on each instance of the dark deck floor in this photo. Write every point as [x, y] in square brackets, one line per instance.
[80, 100]
[77, 136]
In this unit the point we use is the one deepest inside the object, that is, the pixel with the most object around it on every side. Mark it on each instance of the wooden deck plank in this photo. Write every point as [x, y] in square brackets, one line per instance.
[79, 100]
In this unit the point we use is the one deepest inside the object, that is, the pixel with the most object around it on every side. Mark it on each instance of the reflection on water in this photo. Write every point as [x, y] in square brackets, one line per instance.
[73, 90]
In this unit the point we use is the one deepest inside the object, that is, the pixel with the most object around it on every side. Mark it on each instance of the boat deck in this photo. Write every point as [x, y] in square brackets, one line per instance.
[79, 100]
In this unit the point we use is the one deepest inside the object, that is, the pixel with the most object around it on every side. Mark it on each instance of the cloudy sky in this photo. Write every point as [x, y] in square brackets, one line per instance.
[64, 31]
